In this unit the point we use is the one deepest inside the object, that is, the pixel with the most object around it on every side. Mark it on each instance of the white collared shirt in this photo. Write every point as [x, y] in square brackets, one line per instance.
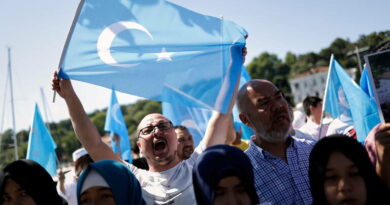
[312, 129]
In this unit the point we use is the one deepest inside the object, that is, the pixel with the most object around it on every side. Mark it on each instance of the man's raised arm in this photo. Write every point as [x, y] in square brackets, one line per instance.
[218, 126]
[85, 130]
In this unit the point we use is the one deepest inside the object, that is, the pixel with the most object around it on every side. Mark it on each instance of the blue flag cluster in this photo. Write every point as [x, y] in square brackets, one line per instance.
[155, 49]
[196, 119]
[345, 99]
[41, 146]
[115, 124]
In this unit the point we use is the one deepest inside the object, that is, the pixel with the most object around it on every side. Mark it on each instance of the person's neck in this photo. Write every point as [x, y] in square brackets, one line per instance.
[315, 120]
[237, 141]
[278, 149]
[160, 168]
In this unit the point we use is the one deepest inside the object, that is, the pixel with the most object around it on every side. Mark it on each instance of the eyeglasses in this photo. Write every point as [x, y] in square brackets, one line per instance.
[149, 129]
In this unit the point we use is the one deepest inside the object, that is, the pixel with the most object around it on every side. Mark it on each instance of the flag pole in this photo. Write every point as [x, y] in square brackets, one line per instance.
[12, 105]
[74, 22]
[325, 96]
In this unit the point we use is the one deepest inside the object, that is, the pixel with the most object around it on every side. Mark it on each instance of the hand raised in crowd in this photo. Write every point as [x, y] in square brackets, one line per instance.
[62, 86]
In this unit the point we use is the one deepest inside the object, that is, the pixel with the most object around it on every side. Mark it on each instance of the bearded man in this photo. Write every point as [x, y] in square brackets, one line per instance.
[280, 161]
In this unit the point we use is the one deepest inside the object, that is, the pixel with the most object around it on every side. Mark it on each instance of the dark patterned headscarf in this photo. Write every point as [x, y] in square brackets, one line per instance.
[216, 163]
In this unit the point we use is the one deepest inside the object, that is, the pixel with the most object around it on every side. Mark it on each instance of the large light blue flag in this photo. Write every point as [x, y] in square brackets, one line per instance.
[155, 49]
[196, 119]
[345, 99]
[115, 124]
[41, 146]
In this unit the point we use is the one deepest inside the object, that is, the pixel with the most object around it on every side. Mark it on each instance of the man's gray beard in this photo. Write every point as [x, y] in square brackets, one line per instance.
[275, 136]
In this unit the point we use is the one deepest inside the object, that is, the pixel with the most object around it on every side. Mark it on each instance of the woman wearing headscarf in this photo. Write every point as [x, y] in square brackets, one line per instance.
[340, 172]
[26, 182]
[108, 182]
[224, 175]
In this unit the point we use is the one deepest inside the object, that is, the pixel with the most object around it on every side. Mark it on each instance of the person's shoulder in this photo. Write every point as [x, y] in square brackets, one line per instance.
[253, 151]
[135, 170]
[303, 136]
[305, 141]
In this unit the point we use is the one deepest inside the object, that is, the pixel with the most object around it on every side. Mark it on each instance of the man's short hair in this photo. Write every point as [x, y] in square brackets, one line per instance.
[83, 162]
[310, 100]
[181, 127]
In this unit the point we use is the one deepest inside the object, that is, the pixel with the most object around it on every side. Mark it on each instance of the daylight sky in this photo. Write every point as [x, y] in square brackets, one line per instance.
[36, 32]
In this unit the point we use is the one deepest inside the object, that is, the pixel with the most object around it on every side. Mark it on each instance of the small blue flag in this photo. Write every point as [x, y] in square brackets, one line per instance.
[196, 119]
[155, 49]
[365, 83]
[345, 99]
[115, 124]
[41, 146]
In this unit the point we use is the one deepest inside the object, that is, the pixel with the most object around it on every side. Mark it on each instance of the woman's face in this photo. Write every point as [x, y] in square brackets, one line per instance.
[97, 195]
[343, 183]
[231, 191]
[15, 194]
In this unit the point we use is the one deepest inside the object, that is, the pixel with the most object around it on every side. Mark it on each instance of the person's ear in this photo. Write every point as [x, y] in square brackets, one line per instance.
[139, 146]
[311, 108]
[244, 119]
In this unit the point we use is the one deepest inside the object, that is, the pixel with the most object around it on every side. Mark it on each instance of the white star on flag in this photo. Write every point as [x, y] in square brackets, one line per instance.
[164, 55]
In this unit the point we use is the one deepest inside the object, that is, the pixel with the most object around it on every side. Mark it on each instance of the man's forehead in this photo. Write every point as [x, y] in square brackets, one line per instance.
[262, 89]
[181, 133]
[152, 119]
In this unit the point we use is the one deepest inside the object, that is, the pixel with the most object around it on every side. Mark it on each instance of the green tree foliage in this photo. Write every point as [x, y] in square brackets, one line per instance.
[269, 66]
[373, 40]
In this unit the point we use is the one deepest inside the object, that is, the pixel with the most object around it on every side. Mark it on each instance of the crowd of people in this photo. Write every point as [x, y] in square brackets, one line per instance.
[277, 167]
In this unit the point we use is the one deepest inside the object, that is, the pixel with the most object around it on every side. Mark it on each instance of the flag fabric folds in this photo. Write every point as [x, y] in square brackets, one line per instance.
[155, 49]
[115, 124]
[345, 99]
[41, 146]
[196, 119]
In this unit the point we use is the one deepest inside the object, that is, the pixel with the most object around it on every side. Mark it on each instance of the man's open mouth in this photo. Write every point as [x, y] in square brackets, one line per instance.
[188, 149]
[159, 146]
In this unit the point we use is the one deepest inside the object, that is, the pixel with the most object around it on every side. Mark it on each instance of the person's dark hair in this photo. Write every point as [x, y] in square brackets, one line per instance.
[33, 178]
[135, 148]
[181, 127]
[83, 162]
[377, 192]
[310, 100]
[216, 163]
